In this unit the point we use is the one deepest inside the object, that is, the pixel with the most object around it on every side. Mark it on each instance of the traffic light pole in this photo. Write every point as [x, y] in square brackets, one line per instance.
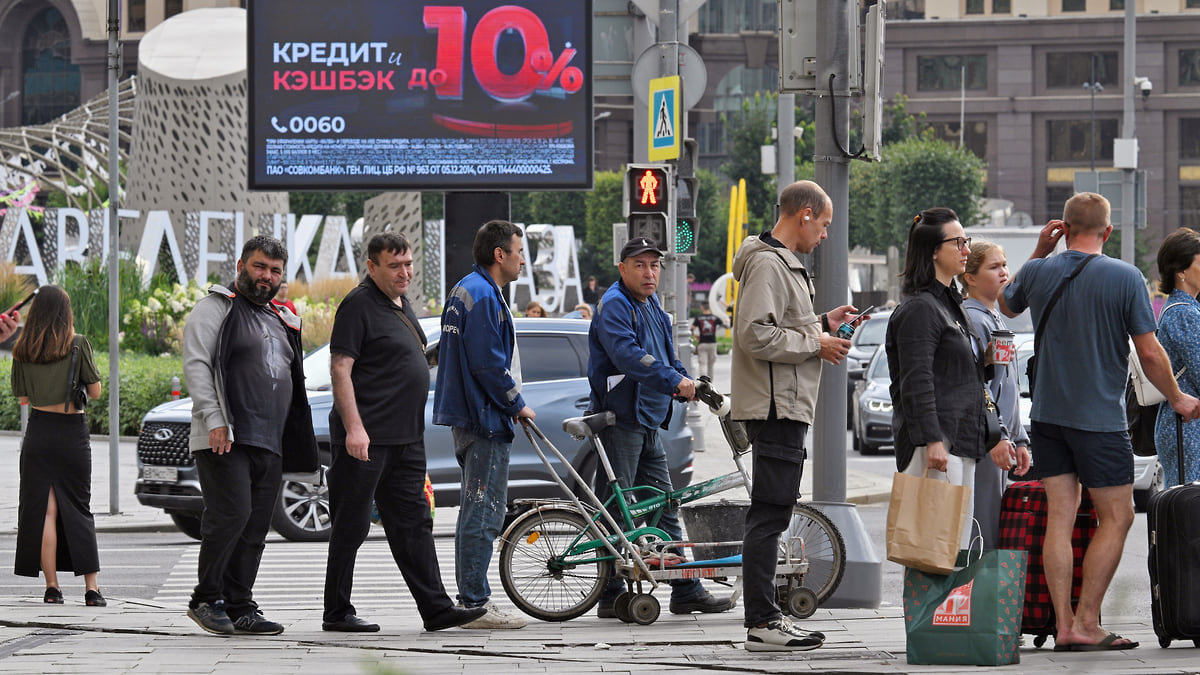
[862, 584]
[672, 288]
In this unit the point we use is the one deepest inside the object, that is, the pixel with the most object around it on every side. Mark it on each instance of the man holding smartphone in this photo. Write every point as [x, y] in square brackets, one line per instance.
[778, 346]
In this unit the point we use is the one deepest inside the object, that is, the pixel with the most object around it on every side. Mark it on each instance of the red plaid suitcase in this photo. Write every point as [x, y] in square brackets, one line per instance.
[1023, 527]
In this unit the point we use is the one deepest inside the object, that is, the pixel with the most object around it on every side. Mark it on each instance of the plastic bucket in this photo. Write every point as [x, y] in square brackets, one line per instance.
[724, 520]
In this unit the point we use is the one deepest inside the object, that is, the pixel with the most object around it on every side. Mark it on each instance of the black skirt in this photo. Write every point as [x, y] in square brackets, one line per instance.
[56, 454]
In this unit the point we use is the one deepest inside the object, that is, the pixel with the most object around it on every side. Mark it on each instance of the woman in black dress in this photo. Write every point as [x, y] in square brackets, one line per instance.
[55, 528]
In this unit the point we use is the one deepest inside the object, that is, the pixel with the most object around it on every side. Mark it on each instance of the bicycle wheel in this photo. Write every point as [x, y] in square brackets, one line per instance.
[539, 577]
[823, 546]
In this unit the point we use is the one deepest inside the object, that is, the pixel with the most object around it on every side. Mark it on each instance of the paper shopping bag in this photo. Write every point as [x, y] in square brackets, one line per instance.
[969, 617]
[925, 522]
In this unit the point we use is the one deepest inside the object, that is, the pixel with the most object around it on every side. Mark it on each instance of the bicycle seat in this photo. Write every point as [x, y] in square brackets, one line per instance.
[589, 426]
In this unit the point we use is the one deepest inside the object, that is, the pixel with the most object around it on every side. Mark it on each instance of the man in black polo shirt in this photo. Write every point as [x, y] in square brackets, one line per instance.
[377, 427]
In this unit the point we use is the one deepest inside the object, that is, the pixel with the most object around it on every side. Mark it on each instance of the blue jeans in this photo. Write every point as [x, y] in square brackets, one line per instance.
[483, 502]
[638, 458]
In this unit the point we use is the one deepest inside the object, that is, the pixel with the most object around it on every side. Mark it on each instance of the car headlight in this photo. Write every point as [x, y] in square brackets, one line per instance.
[879, 406]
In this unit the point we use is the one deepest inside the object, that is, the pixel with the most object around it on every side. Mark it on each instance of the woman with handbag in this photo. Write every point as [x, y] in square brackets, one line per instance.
[1179, 324]
[985, 274]
[52, 371]
[938, 414]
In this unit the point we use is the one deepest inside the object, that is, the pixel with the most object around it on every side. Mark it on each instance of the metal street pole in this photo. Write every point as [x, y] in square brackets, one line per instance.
[673, 290]
[1129, 130]
[832, 279]
[114, 289]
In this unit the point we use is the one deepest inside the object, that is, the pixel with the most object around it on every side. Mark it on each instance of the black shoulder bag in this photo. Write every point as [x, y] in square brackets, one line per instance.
[1031, 365]
[76, 392]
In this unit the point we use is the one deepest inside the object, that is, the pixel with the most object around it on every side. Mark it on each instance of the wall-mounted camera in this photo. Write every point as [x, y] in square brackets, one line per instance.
[1144, 85]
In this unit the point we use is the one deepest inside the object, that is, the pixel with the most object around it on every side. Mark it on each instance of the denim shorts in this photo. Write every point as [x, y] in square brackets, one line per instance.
[1099, 458]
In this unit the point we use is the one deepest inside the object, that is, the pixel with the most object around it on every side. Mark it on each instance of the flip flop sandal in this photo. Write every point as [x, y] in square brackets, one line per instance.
[1107, 644]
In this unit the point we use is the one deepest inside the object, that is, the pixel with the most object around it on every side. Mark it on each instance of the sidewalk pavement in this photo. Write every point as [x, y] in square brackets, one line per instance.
[139, 635]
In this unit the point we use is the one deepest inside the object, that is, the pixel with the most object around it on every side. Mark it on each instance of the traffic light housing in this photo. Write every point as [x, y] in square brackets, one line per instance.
[686, 229]
[650, 203]
[648, 189]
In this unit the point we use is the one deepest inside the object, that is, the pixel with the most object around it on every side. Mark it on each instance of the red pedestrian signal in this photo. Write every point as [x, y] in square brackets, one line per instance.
[648, 189]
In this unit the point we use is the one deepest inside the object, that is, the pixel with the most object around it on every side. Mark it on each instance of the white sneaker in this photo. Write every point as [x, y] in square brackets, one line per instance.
[782, 636]
[496, 619]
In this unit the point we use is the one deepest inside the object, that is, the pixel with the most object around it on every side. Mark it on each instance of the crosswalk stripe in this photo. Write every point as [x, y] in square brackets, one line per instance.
[292, 576]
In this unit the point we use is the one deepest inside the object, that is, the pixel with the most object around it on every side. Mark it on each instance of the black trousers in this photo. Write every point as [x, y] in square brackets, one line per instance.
[395, 478]
[240, 488]
[778, 447]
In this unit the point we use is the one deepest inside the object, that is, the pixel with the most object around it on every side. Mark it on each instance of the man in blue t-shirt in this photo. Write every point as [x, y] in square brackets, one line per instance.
[633, 371]
[1078, 429]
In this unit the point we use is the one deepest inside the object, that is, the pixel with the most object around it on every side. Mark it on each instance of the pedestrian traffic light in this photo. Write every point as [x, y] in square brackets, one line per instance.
[652, 226]
[648, 189]
[685, 235]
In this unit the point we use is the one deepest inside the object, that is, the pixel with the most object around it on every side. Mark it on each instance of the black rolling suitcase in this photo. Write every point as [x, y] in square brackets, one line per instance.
[1173, 527]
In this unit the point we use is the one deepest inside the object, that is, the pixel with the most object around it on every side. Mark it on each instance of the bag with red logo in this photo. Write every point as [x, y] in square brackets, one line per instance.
[971, 616]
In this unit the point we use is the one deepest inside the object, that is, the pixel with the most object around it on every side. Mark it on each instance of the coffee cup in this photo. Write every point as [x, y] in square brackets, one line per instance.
[1001, 349]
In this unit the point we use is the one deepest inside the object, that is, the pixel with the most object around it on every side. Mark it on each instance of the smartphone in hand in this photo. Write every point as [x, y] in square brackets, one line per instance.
[13, 310]
[846, 330]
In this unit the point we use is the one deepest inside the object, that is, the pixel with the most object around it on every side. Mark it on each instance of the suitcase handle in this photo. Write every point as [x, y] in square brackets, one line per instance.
[1179, 447]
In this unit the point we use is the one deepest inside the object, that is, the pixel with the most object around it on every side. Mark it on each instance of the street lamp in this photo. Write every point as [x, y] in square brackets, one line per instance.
[1093, 86]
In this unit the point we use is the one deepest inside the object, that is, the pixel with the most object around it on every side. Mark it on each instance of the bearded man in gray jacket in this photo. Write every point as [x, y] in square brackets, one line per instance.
[243, 362]
[778, 346]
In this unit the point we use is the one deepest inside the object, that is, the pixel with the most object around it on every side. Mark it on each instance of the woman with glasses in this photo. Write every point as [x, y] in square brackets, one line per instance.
[985, 275]
[937, 378]
[55, 528]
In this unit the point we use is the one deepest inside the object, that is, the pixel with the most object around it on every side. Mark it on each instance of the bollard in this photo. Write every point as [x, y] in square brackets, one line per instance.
[175, 388]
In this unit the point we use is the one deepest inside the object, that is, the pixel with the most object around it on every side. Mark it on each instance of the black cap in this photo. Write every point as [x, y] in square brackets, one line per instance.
[638, 246]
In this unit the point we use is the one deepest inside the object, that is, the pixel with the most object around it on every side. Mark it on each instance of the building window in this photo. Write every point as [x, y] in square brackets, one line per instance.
[1071, 141]
[1056, 199]
[974, 7]
[1189, 138]
[1193, 4]
[1189, 67]
[734, 16]
[975, 139]
[938, 73]
[710, 138]
[137, 16]
[1189, 206]
[1074, 5]
[50, 83]
[172, 8]
[1068, 70]
[1002, 7]
[1116, 4]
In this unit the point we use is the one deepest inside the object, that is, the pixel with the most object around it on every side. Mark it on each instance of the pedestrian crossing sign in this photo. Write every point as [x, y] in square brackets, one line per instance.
[665, 133]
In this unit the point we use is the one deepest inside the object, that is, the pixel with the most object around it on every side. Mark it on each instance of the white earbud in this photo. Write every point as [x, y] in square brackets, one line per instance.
[806, 217]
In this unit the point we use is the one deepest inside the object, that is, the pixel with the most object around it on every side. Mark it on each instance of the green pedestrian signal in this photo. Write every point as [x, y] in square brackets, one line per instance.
[685, 235]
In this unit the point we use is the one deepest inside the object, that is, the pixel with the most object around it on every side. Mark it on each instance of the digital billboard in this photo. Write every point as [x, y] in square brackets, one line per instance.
[386, 95]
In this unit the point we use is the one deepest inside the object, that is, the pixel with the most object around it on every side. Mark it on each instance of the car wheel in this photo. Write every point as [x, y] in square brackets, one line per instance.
[1141, 498]
[302, 510]
[855, 444]
[188, 524]
[867, 449]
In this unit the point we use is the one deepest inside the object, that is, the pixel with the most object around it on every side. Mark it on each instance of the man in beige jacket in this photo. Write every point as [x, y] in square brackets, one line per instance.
[779, 343]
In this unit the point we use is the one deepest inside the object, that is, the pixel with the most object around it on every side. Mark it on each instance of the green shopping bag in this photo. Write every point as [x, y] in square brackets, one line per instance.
[971, 616]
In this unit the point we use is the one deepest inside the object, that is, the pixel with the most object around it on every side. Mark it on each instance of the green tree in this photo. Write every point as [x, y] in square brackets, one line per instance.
[915, 174]
[603, 208]
[747, 130]
[712, 208]
[1142, 250]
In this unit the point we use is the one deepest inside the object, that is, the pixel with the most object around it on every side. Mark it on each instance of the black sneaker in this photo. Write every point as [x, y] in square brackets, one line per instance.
[256, 624]
[706, 604]
[212, 618]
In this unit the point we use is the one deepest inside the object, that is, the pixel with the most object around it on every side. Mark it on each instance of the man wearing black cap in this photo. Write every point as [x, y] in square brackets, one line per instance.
[633, 371]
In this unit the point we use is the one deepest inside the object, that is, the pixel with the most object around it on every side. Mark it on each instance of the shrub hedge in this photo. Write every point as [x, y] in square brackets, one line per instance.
[145, 382]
